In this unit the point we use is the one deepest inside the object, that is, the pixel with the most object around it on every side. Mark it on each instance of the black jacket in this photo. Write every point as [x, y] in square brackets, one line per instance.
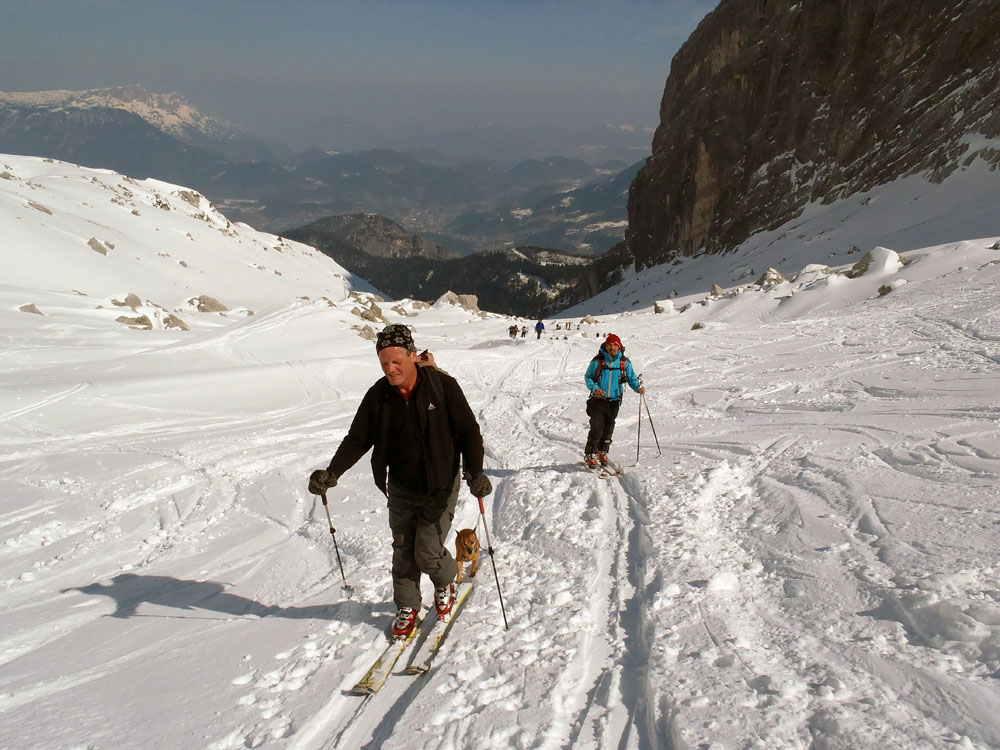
[449, 430]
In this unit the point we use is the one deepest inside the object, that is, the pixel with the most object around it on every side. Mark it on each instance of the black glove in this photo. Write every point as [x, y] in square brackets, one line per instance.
[321, 480]
[479, 485]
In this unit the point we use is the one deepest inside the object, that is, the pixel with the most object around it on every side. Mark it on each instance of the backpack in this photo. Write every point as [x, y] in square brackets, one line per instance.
[602, 365]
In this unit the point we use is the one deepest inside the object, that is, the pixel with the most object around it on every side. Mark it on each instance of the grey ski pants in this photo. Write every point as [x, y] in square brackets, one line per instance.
[418, 543]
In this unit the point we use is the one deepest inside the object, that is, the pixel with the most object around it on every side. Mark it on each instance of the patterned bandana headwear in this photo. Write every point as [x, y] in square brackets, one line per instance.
[612, 339]
[396, 334]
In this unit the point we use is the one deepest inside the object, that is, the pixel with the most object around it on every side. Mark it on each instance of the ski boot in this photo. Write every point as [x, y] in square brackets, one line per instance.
[406, 620]
[444, 599]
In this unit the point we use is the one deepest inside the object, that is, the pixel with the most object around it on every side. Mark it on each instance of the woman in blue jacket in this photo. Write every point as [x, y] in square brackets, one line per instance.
[604, 378]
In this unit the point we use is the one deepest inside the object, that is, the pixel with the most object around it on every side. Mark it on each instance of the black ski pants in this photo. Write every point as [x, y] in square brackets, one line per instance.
[418, 535]
[603, 414]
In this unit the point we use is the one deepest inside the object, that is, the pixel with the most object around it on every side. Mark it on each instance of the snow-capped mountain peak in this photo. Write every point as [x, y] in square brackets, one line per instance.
[170, 113]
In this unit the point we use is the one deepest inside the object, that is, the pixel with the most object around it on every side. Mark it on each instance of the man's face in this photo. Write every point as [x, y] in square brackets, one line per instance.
[612, 348]
[399, 365]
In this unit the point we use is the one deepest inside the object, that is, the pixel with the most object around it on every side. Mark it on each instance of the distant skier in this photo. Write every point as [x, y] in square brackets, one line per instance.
[539, 328]
[524, 331]
[420, 424]
[604, 377]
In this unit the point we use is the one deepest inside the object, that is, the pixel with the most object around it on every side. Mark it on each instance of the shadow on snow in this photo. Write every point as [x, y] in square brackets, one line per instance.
[129, 590]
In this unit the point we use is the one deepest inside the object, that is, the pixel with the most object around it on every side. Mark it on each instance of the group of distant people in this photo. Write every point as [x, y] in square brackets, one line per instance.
[514, 330]
[422, 431]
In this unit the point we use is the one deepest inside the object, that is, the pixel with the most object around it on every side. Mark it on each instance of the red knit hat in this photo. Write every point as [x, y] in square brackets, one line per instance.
[613, 339]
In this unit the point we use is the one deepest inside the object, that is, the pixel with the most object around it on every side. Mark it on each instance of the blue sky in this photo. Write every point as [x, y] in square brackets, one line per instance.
[274, 67]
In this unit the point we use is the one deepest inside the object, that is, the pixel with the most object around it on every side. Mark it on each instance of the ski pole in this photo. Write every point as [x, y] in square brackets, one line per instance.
[333, 533]
[489, 548]
[642, 398]
[638, 432]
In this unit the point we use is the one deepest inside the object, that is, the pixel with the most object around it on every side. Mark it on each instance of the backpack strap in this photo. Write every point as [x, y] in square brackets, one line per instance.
[602, 365]
[434, 381]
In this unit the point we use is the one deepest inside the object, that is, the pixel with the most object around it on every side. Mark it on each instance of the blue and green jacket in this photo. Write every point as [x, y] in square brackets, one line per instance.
[608, 376]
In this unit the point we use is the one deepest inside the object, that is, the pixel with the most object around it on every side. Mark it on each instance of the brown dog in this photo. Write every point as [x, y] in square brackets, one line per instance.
[467, 550]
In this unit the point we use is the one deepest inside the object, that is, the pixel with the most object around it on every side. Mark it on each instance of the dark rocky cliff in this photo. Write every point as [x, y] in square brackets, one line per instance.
[772, 104]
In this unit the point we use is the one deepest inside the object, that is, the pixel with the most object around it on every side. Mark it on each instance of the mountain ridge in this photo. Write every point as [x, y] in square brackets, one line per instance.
[170, 113]
[526, 281]
[142, 134]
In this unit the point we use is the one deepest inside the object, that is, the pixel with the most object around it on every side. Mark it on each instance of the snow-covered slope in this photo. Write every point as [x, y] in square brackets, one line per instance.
[802, 555]
[910, 213]
[69, 232]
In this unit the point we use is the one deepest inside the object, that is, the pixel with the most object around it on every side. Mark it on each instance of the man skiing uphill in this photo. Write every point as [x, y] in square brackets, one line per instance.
[604, 379]
[419, 423]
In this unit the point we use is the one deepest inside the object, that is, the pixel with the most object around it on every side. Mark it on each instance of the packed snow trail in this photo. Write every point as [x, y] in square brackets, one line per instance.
[503, 664]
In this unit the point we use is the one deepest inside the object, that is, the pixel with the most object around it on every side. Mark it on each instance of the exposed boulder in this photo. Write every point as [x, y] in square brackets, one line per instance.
[890, 287]
[879, 259]
[172, 321]
[131, 300]
[369, 309]
[141, 322]
[466, 301]
[367, 314]
[770, 279]
[190, 197]
[95, 244]
[204, 303]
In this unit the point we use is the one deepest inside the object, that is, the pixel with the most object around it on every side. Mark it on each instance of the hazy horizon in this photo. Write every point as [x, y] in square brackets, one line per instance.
[298, 72]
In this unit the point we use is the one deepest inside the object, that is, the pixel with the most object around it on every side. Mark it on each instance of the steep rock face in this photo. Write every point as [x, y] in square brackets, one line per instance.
[772, 104]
